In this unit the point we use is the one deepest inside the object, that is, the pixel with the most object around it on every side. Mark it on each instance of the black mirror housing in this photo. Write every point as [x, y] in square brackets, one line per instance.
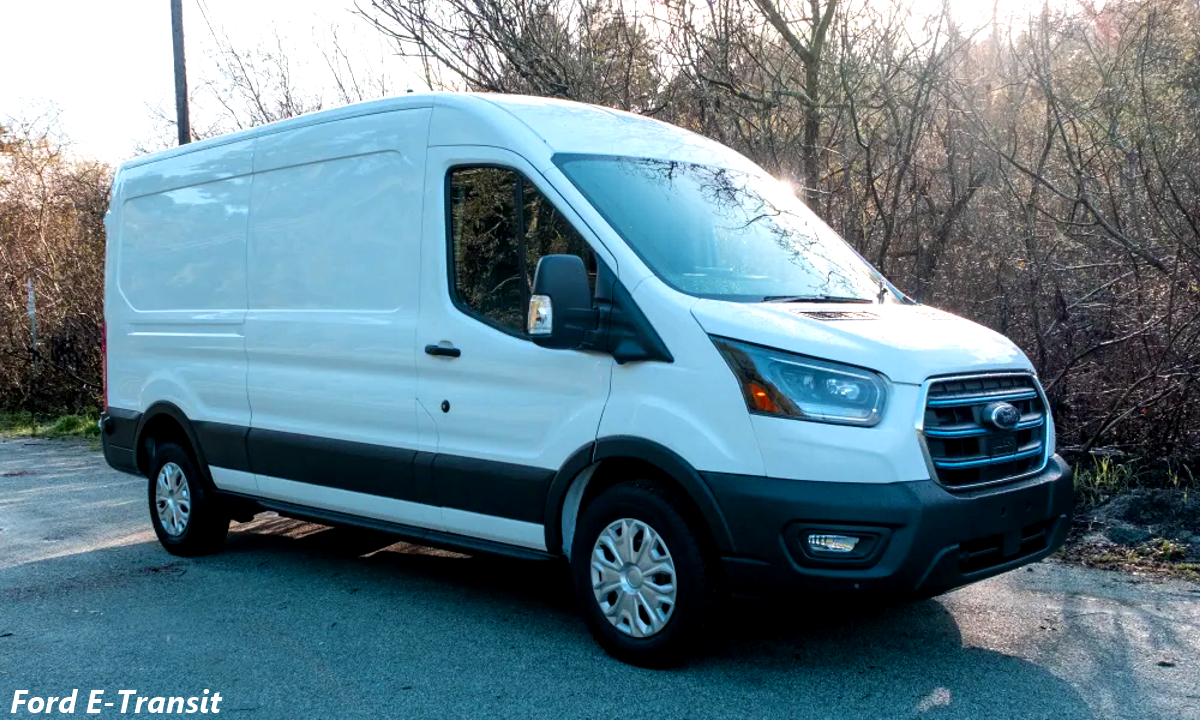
[564, 280]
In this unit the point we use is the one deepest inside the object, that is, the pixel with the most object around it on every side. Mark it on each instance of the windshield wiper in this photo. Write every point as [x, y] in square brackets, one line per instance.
[816, 299]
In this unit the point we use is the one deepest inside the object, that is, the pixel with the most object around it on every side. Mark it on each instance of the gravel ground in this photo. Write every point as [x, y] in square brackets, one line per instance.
[298, 620]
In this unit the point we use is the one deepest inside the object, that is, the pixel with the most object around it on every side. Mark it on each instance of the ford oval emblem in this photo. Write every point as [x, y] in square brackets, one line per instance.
[1001, 415]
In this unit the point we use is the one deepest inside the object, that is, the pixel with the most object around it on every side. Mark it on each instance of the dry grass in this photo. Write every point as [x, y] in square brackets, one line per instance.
[1159, 557]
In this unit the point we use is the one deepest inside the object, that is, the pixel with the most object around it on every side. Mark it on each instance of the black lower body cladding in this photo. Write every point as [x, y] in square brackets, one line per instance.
[932, 540]
[118, 433]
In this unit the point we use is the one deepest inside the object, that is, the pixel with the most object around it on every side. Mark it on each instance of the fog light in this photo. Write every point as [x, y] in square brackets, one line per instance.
[832, 543]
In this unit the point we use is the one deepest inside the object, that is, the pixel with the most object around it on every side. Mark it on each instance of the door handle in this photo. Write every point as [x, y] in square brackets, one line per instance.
[442, 351]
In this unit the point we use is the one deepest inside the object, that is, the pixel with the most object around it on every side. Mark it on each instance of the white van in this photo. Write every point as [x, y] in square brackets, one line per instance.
[545, 329]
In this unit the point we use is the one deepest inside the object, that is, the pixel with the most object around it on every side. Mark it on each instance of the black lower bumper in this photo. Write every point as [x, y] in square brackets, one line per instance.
[118, 429]
[924, 540]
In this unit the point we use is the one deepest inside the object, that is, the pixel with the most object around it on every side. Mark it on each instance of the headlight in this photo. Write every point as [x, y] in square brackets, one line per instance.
[779, 383]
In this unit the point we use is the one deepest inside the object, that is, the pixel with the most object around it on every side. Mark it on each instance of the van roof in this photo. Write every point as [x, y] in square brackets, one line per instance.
[563, 125]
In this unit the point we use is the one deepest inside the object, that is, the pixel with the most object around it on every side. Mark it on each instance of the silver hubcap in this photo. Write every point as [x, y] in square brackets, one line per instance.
[173, 499]
[633, 578]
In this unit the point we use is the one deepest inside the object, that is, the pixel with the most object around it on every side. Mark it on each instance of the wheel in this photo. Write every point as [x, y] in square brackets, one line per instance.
[187, 519]
[645, 581]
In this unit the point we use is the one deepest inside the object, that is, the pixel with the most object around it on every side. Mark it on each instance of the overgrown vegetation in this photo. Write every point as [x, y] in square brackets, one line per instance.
[51, 238]
[1037, 174]
[1100, 479]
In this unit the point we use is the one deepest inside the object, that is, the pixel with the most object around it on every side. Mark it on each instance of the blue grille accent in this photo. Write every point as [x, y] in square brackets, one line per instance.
[967, 451]
[980, 462]
[982, 399]
[974, 431]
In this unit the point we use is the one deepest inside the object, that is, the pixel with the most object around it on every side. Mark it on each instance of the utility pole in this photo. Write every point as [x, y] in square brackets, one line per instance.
[181, 96]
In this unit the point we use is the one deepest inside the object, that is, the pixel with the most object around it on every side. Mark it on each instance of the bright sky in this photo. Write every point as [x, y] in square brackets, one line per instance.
[105, 63]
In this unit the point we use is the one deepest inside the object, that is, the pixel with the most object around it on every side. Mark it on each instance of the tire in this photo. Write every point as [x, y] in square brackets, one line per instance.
[196, 523]
[683, 620]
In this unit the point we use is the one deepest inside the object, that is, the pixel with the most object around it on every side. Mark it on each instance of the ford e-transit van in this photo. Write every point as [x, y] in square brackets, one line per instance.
[546, 329]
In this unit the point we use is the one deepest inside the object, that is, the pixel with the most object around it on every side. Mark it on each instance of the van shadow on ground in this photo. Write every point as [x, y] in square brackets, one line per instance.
[296, 620]
[905, 660]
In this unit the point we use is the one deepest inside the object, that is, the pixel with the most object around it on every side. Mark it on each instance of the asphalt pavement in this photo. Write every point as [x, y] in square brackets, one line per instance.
[296, 620]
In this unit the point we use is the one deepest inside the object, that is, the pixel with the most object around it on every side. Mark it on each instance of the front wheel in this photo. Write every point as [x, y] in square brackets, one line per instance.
[644, 579]
[187, 519]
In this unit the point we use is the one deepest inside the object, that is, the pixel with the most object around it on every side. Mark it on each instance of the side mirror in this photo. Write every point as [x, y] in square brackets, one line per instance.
[560, 308]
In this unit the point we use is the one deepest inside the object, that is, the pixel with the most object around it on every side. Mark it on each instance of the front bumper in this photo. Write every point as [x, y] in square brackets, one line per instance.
[932, 540]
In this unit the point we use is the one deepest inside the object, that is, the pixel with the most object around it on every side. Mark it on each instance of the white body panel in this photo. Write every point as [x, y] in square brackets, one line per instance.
[906, 343]
[175, 301]
[510, 400]
[287, 279]
[334, 279]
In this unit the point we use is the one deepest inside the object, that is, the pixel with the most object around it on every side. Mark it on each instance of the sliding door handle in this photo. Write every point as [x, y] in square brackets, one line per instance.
[442, 351]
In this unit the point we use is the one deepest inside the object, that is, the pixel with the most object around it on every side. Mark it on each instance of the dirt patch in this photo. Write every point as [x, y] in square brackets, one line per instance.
[1156, 532]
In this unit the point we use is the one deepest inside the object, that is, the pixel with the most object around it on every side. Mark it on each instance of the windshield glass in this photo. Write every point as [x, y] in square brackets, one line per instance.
[718, 233]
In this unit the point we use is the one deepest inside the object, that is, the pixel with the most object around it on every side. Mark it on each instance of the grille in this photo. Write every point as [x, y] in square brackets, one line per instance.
[966, 450]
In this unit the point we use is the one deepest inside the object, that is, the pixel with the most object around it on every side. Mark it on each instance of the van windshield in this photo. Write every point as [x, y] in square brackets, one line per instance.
[718, 233]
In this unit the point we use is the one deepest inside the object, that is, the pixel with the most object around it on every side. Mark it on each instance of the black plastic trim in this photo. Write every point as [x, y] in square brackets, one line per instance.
[354, 466]
[119, 438]
[121, 426]
[170, 410]
[680, 471]
[552, 520]
[224, 445]
[629, 335]
[923, 529]
[516, 492]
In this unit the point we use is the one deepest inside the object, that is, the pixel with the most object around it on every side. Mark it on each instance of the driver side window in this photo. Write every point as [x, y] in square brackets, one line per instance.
[500, 226]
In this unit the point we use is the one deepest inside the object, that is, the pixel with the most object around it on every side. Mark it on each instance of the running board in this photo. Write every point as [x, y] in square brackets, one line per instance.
[421, 536]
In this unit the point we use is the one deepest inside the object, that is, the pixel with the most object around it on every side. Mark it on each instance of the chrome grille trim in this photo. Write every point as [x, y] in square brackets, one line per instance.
[942, 467]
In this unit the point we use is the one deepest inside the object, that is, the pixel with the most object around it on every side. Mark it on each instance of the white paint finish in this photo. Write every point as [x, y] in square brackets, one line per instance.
[510, 400]
[328, 271]
[181, 153]
[496, 529]
[334, 278]
[907, 343]
[692, 406]
[330, 235]
[175, 289]
[199, 163]
[185, 249]
[199, 366]
[403, 512]
[350, 503]
[571, 127]
[233, 480]
[888, 452]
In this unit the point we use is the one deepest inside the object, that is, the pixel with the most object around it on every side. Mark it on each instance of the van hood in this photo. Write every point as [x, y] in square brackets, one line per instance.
[906, 343]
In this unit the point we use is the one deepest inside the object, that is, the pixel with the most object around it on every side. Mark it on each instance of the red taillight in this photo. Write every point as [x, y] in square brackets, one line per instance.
[104, 361]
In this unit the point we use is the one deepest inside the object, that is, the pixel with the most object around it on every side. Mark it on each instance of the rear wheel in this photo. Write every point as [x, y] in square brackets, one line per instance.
[187, 518]
[644, 580]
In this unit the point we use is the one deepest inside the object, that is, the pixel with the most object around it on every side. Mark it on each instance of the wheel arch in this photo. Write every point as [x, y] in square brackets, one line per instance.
[574, 485]
[164, 420]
